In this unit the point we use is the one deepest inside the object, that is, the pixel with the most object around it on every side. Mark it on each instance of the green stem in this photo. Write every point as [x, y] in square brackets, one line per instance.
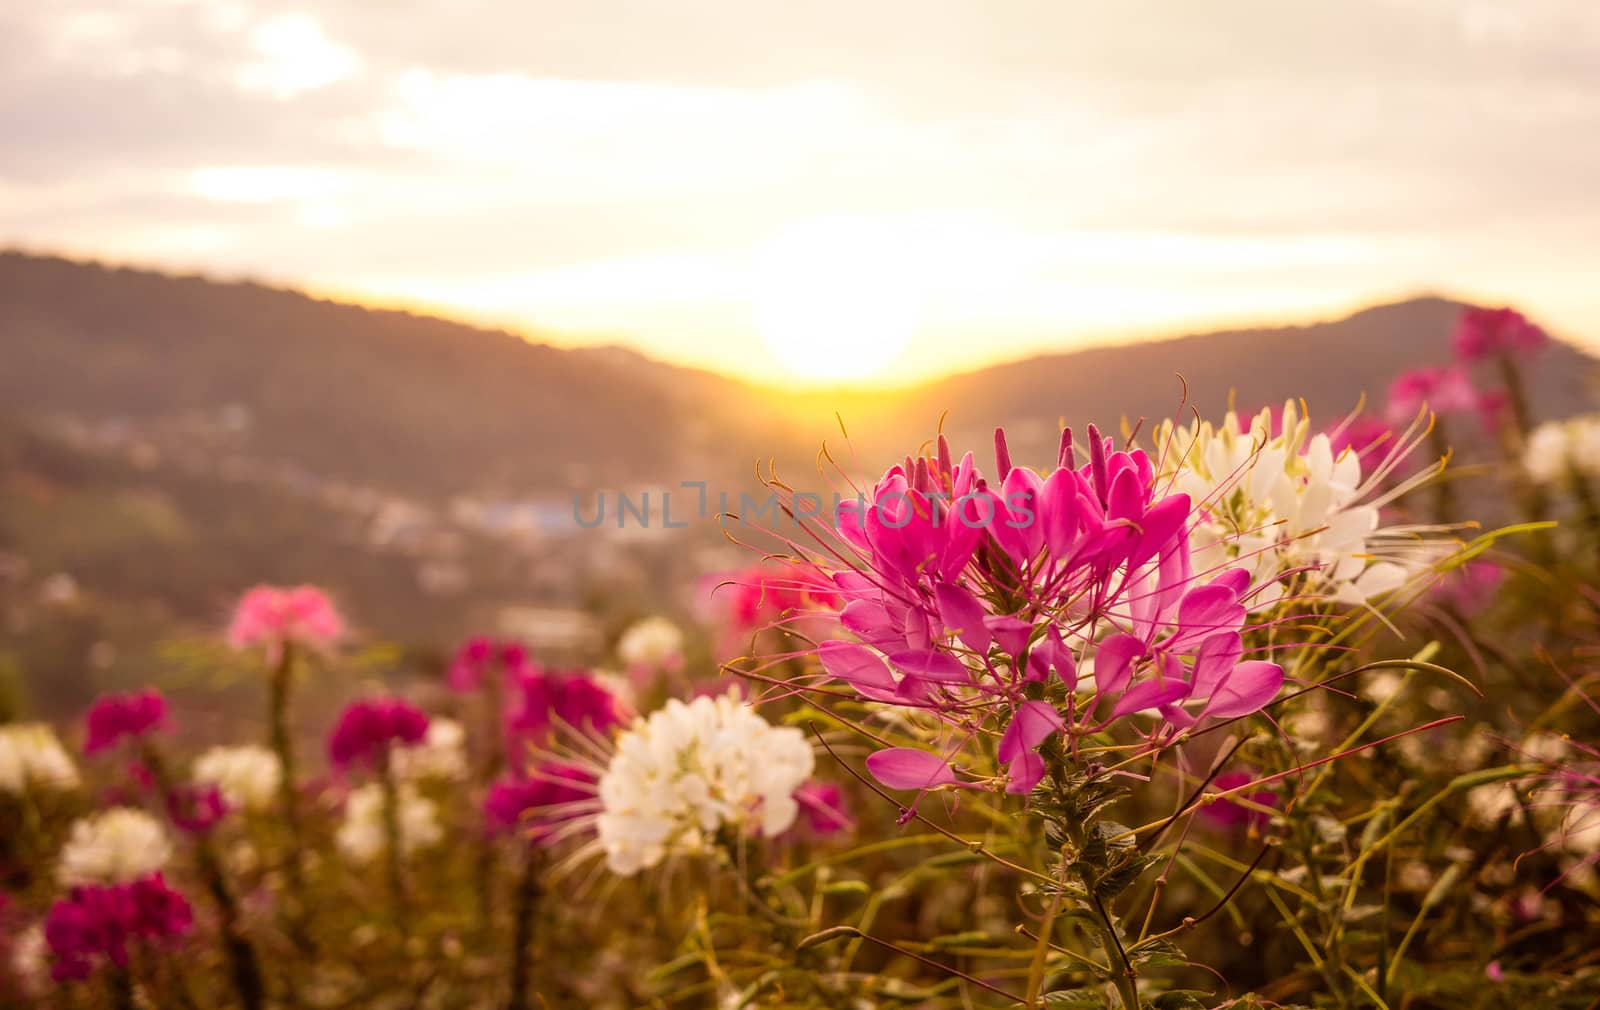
[529, 894]
[282, 741]
[394, 851]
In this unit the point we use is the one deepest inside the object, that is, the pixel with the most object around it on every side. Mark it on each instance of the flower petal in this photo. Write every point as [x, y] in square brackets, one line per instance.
[906, 768]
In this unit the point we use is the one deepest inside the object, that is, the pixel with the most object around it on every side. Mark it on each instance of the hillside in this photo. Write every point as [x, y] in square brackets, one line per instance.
[385, 398]
[1331, 365]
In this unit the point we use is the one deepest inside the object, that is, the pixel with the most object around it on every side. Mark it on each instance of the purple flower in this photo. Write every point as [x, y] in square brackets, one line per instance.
[114, 716]
[367, 729]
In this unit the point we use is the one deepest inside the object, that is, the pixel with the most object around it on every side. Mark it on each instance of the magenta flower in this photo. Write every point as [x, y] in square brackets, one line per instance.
[114, 716]
[97, 924]
[549, 699]
[367, 729]
[273, 617]
[1445, 390]
[1470, 588]
[196, 808]
[1486, 333]
[480, 655]
[823, 805]
[962, 593]
[1368, 437]
[1228, 814]
[540, 803]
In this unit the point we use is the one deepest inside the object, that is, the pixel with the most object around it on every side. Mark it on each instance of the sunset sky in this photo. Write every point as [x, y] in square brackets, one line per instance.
[809, 191]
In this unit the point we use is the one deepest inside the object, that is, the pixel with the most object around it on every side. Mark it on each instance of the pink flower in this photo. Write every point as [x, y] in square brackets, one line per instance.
[1485, 333]
[367, 729]
[549, 699]
[196, 809]
[1445, 390]
[540, 803]
[478, 656]
[1471, 588]
[97, 923]
[962, 592]
[1493, 972]
[1226, 813]
[114, 716]
[1368, 437]
[272, 617]
[824, 808]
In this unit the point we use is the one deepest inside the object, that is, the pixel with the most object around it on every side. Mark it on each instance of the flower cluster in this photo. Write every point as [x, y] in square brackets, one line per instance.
[547, 700]
[274, 617]
[1558, 449]
[97, 923]
[117, 716]
[31, 757]
[653, 645]
[362, 836]
[969, 600]
[552, 794]
[441, 754]
[115, 846]
[1486, 333]
[367, 730]
[247, 776]
[692, 770]
[1279, 502]
[481, 655]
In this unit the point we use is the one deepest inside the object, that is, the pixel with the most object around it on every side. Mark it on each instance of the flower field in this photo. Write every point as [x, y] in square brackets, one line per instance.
[1254, 710]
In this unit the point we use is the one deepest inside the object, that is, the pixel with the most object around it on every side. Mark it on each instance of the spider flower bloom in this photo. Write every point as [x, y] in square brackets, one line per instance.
[552, 795]
[1446, 390]
[97, 924]
[248, 776]
[1292, 511]
[689, 771]
[31, 757]
[1558, 449]
[273, 617]
[196, 808]
[114, 846]
[362, 836]
[441, 755]
[549, 699]
[368, 729]
[970, 598]
[114, 716]
[651, 646]
[1487, 333]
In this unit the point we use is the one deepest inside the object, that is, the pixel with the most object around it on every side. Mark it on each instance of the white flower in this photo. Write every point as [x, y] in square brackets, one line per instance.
[441, 754]
[1284, 503]
[30, 961]
[32, 757]
[248, 776]
[1556, 448]
[691, 769]
[1580, 829]
[115, 846]
[362, 836]
[654, 643]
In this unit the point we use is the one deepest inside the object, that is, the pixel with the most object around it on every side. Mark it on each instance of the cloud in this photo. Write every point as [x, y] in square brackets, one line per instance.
[607, 165]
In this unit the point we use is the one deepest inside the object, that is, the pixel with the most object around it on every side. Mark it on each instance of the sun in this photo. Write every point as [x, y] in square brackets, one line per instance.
[837, 299]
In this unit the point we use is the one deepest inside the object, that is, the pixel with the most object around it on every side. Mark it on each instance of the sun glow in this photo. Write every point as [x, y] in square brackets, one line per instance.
[837, 299]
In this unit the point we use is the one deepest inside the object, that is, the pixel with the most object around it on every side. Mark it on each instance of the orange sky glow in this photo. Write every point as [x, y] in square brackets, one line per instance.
[819, 193]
